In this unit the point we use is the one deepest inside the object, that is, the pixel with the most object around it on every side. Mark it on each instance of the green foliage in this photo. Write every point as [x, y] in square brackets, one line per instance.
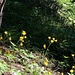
[35, 73]
[15, 72]
[41, 19]
[67, 12]
[30, 62]
[3, 66]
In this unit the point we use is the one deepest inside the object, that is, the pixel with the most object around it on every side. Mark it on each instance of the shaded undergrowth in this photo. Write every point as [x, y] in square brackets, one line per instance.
[16, 59]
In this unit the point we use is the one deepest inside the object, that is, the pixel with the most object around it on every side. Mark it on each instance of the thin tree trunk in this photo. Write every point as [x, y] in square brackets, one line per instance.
[2, 3]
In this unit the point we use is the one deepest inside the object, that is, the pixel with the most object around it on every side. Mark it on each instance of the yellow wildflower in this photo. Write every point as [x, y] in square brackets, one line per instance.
[10, 38]
[6, 32]
[52, 41]
[49, 73]
[21, 44]
[49, 37]
[62, 73]
[21, 38]
[46, 59]
[23, 32]
[73, 67]
[72, 55]
[46, 63]
[25, 37]
[56, 40]
[44, 46]
[1, 37]
[71, 70]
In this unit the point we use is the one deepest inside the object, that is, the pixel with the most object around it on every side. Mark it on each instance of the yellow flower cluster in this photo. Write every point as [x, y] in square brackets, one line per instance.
[46, 62]
[24, 32]
[22, 37]
[72, 70]
[52, 40]
[6, 33]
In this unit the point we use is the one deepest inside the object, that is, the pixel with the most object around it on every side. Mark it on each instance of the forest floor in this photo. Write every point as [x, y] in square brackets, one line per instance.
[24, 62]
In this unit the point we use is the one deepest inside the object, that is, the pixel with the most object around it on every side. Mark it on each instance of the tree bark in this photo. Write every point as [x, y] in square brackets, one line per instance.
[2, 3]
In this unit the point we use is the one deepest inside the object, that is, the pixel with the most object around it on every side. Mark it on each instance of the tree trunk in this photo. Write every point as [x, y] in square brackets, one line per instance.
[2, 3]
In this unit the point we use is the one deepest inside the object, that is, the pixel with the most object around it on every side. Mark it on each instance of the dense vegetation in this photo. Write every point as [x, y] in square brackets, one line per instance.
[50, 28]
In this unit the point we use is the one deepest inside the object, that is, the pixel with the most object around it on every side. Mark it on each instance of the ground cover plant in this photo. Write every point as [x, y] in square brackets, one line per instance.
[16, 59]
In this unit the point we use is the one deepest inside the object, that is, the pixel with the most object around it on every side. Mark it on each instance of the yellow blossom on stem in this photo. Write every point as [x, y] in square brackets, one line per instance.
[21, 44]
[72, 55]
[1, 37]
[44, 46]
[73, 67]
[25, 37]
[10, 38]
[52, 41]
[23, 32]
[50, 73]
[62, 73]
[49, 37]
[56, 40]
[6, 32]
[46, 59]
[71, 70]
[21, 38]
[46, 63]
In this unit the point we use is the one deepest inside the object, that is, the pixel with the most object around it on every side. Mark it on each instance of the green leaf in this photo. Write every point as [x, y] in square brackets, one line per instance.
[35, 73]
[3, 65]
[12, 43]
[31, 55]
[66, 57]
